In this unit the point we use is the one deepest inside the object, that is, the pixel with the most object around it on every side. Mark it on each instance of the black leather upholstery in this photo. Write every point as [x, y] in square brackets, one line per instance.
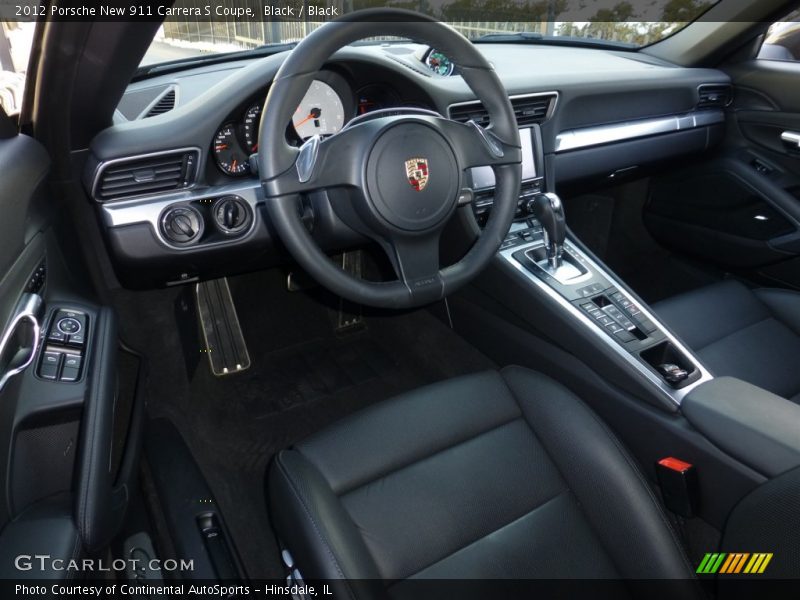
[493, 475]
[753, 335]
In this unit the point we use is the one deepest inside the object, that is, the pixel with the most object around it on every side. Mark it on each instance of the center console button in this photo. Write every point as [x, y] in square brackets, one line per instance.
[624, 336]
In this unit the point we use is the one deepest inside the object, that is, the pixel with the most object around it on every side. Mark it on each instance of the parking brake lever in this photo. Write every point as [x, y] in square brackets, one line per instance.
[549, 210]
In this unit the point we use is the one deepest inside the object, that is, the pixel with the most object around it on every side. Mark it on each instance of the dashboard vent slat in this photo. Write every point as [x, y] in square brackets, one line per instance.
[527, 109]
[137, 176]
[165, 104]
[713, 95]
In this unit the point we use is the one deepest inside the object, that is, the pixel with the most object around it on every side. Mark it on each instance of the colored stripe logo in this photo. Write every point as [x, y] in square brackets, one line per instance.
[734, 562]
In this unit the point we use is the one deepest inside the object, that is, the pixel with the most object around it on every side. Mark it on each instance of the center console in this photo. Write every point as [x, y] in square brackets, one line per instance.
[582, 288]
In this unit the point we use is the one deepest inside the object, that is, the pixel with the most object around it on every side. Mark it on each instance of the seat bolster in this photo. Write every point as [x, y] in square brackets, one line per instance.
[611, 490]
[310, 518]
[706, 315]
[783, 304]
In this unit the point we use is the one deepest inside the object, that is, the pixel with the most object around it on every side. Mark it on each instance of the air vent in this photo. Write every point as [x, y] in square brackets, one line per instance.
[528, 110]
[165, 104]
[146, 175]
[714, 96]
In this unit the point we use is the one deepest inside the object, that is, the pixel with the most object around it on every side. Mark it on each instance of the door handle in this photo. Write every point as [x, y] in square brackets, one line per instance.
[791, 138]
[20, 341]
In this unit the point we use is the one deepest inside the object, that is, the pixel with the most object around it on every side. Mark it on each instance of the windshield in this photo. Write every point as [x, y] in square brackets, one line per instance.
[196, 27]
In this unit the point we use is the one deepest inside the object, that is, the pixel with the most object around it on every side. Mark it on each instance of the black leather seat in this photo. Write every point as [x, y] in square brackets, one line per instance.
[493, 475]
[750, 334]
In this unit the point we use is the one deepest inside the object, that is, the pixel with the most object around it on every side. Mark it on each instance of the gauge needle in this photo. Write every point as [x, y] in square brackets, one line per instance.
[314, 114]
[221, 147]
[233, 165]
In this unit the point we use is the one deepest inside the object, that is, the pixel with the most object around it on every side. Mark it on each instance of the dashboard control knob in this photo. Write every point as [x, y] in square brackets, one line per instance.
[231, 214]
[182, 224]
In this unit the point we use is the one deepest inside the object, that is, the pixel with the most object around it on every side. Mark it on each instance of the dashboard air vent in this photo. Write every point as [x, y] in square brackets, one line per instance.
[146, 175]
[527, 109]
[165, 104]
[714, 95]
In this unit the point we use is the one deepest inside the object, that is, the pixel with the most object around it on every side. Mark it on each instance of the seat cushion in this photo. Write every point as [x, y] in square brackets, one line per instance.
[493, 475]
[753, 335]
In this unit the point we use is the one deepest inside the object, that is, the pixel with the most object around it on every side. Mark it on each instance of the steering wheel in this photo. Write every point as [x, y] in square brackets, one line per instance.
[396, 177]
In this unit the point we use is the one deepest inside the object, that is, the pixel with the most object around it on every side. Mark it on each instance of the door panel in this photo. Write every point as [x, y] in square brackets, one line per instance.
[740, 209]
[59, 492]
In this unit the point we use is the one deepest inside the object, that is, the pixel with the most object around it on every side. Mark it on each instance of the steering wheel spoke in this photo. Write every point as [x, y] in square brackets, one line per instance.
[416, 263]
[478, 146]
[322, 163]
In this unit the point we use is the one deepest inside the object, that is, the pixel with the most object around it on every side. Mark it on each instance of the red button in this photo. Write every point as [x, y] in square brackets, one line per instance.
[675, 464]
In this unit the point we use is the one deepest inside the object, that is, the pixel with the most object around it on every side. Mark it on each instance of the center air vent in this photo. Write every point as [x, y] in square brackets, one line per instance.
[164, 104]
[154, 174]
[713, 95]
[536, 108]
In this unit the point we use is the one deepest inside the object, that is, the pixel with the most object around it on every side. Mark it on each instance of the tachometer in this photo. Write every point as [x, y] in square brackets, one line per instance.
[252, 120]
[228, 152]
[320, 112]
[439, 63]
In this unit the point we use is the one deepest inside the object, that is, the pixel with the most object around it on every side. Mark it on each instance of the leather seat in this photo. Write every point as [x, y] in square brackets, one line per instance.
[494, 475]
[753, 335]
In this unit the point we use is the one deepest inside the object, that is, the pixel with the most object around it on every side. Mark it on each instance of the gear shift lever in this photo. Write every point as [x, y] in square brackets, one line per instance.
[549, 210]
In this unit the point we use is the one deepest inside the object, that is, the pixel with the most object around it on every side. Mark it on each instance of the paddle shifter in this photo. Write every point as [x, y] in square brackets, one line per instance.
[549, 211]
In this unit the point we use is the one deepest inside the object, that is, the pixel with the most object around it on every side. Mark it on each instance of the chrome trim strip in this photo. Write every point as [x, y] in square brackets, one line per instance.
[149, 210]
[27, 310]
[551, 109]
[574, 139]
[670, 393]
[103, 165]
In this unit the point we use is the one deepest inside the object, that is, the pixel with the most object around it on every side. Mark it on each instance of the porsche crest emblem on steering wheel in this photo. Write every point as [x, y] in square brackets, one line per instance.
[417, 173]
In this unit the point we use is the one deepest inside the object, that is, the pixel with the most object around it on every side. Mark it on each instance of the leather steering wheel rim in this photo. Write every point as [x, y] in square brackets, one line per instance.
[410, 241]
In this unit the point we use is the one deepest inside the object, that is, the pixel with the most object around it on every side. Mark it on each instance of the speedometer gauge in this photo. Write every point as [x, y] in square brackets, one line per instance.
[228, 152]
[252, 120]
[439, 63]
[320, 112]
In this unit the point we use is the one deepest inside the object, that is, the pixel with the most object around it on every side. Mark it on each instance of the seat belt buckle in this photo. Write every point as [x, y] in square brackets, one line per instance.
[678, 482]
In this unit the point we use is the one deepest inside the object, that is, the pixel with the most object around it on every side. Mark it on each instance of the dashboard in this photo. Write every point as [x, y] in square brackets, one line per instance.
[178, 200]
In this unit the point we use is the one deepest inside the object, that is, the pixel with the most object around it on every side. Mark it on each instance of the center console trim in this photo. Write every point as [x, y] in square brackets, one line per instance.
[672, 394]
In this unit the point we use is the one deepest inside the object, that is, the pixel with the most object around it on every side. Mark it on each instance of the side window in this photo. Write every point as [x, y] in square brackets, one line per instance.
[782, 41]
[15, 46]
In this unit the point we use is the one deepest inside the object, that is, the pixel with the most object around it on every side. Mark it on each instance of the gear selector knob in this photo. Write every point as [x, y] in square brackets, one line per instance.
[549, 211]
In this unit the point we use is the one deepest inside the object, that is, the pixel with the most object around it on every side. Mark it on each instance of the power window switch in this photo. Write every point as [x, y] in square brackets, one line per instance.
[49, 367]
[72, 361]
[72, 367]
[69, 374]
[77, 339]
[57, 336]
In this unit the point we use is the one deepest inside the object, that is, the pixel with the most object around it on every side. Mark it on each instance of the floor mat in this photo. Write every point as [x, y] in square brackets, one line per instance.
[303, 377]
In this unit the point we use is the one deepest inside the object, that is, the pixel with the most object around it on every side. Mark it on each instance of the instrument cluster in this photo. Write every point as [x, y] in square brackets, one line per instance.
[327, 106]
